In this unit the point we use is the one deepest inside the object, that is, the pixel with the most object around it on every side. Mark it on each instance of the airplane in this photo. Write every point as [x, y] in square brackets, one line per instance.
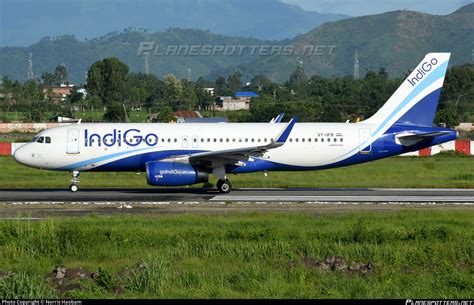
[186, 154]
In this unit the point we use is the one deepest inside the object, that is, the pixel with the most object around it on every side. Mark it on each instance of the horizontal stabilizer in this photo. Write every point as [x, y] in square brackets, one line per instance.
[411, 139]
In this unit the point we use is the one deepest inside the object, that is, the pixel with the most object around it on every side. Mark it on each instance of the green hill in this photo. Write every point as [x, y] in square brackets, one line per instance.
[78, 56]
[395, 40]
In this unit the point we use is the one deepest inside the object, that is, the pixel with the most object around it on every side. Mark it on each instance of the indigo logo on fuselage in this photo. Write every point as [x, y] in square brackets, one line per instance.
[420, 73]
[129, 137]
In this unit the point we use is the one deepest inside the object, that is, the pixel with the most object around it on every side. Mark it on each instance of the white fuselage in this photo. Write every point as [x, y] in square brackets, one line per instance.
[89, 146]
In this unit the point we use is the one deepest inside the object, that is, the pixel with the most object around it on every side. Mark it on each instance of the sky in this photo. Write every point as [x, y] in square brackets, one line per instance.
[369, 7]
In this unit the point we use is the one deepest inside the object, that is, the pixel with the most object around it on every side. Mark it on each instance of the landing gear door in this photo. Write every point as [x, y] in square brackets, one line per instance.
[72, 141]
[364, 135]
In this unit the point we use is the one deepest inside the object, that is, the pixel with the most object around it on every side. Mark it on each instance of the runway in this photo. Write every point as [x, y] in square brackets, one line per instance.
[36, 204]
[195, 195]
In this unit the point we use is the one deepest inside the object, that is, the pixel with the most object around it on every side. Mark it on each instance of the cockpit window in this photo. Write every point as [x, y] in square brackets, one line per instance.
[40, 140]
[48, 140]
[34, 139]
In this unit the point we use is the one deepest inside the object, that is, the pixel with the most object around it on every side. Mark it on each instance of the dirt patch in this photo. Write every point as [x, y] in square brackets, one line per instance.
[334, 264]
[65, 280]
[5, 274]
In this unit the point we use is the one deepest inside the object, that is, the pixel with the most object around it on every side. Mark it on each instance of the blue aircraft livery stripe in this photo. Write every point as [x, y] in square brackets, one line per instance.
[433, 77]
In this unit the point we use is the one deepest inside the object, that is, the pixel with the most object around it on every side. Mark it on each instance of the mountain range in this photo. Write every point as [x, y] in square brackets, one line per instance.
[394, 40]
[24, 22]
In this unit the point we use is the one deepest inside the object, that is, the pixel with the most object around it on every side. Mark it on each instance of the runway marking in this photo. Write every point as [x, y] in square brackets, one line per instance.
[405, 199]
[247, 201]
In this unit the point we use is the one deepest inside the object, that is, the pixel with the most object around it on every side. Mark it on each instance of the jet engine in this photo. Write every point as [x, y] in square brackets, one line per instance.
[174, 174]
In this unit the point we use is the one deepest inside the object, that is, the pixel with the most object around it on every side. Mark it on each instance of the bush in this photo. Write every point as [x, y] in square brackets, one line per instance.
[24, 286]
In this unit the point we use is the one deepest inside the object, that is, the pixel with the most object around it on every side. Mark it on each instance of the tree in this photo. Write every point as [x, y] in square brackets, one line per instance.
[221, 86]
[107, 80]
[173, 87]
[298, 80]
[61, 74]
[260, 82]
[298, 77]
[448, 117]
[233, 81]
[34, 115]
[49, 79]
[165, 115]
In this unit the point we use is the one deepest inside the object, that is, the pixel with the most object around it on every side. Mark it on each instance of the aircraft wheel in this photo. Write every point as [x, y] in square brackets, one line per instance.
[224, 186]
[73, 188]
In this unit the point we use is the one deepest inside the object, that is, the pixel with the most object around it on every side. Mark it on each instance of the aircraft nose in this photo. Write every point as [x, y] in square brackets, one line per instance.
[20, 155]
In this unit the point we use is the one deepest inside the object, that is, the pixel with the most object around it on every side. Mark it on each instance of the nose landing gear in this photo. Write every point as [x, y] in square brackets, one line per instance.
[224, 186]
[74, 186]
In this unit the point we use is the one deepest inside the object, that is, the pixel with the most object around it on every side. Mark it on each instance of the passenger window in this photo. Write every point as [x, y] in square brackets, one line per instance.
[208, 140]
[163, 140]
[202, 140]
[221, 140]
[315, 139]
[246, 139]
[302, 140]
[296, 140]
[265, 140]
[322, 139]
[233, 140]
[227, 140]
[309, 139]
[215, 140]
[253, 140]
[291, 140]
[335, 140]
[341, 140]
[48, 140]
[176, 140]
[40, 140]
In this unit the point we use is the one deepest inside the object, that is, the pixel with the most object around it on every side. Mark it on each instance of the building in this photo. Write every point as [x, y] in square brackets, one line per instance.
[57, 93]
[241, 101]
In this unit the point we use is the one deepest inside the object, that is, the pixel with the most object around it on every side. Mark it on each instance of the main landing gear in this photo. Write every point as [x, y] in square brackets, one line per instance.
[224, 186]
[74, 186]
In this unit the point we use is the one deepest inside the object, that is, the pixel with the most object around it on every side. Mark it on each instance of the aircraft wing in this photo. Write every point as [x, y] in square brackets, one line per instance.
[410, 139]
[234, 155]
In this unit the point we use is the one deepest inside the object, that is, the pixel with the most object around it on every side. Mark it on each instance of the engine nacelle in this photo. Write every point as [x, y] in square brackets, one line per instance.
[173, 174]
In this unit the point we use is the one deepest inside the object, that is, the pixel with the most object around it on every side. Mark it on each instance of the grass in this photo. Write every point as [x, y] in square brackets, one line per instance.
[417, 253]
[445, 170]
